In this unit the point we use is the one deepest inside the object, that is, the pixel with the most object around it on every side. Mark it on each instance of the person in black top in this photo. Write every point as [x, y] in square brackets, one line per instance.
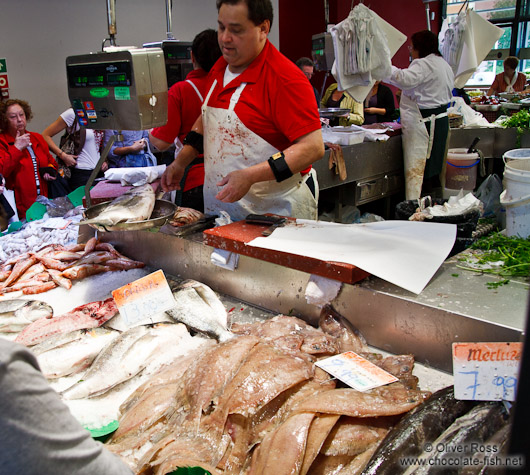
[308, 68]
[379, 104]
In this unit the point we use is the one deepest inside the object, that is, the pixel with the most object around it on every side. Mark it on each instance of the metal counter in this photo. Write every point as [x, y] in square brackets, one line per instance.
[374, 171]
[450, 309]
[494, 141]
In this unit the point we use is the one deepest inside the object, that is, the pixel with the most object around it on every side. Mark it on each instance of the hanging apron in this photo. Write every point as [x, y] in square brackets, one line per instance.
[229, 145]
[417, 144]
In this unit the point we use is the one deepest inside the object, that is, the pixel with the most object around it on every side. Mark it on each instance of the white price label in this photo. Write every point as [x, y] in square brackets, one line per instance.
[486, 371]
[356, 371]
[144, 297]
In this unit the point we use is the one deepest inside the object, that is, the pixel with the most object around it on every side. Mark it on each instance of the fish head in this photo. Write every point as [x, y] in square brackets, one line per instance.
[35, 309]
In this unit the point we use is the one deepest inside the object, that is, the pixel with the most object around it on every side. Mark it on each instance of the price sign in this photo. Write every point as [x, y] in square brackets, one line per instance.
[356, 371]
[144, 297]
[486, 371]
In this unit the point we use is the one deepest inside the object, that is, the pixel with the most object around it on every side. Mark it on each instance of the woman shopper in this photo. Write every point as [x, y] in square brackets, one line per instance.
[81, 165]
[25, 160]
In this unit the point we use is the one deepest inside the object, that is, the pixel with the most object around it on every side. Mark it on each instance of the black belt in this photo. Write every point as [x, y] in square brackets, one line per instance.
[434, 111]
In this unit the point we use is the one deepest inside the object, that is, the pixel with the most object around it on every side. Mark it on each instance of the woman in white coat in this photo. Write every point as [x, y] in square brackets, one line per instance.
[426, 86]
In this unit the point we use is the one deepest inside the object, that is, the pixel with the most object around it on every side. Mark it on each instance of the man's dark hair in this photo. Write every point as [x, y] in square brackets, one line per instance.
[205, 49]
[304, 61]
[258, 10]
[4, 105]
[425, 42]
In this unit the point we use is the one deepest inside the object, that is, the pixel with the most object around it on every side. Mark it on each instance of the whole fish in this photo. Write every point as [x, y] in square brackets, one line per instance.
[76, 355]
[90, 315]
[119, 361]
[420, 426]
[137, 204]
[476, 426]
[199, 310]
[16, 314]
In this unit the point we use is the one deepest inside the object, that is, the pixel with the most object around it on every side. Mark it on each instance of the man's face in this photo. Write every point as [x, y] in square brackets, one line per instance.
[308, 71]
[239, 39]
[16, 119]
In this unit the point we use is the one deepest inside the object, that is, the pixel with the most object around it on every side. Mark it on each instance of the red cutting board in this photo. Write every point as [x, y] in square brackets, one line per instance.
[233, 237]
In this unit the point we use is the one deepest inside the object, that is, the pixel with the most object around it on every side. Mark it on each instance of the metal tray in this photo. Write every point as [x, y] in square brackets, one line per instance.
[162, 211]
[331, 112]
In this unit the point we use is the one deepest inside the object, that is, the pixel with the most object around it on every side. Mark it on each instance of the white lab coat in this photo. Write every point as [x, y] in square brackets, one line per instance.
[426, 84]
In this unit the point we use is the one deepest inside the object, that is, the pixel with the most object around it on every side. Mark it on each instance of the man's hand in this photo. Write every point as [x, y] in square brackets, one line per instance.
[22, 141]
[172, 176]
[48, 177]
[235, 185]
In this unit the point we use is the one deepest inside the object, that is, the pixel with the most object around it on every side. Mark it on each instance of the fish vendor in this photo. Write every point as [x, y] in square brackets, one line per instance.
[259, 128]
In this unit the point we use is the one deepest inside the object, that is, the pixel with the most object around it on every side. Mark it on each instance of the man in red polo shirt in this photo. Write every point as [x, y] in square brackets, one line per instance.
[259, 128]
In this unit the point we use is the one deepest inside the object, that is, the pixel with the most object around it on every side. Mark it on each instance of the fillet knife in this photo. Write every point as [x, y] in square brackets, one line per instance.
[273, 222]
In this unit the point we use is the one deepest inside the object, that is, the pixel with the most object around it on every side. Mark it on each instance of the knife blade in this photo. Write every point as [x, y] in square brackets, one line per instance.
[273, 222]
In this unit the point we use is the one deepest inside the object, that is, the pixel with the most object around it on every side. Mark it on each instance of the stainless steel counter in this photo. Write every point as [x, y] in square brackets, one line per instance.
[450, 309]
[494, 141]
[374, 171]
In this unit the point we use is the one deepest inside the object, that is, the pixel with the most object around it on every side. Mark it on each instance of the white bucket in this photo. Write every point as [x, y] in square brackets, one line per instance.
[516, 154]
[461, 169]
[516, 198]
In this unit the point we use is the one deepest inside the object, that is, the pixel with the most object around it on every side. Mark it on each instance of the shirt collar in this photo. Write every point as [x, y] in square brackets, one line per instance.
[253, 71]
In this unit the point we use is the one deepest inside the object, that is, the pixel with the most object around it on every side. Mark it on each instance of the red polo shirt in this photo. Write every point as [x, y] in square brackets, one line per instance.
[278, 102]
[183, 109]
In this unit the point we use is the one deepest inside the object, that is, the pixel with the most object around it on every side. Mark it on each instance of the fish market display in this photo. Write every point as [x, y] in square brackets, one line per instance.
[197, 306]
[185, 216]
[55, 265]
[256, 403]
[32, 236]
[137, 204]
[17, 314]
[90, 315]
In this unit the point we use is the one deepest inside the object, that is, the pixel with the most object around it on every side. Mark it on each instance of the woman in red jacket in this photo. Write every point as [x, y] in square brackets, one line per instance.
[25, 159]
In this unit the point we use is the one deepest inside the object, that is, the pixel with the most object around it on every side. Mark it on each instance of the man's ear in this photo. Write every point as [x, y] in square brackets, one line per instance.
[265, 27]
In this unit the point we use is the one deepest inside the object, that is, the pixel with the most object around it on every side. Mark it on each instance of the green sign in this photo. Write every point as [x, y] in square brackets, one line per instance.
[3, 65]
[99, 92]
[122, 93]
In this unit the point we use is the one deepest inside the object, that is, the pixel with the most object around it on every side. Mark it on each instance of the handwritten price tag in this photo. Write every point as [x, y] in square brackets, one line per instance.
[486, 371]
[356, 371]
[144, 297]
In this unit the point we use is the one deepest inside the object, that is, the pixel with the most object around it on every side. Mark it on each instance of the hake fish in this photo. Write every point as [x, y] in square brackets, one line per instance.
[17, 314]
[119, 361]
[197, 306]
[137, 204]
[74, 356]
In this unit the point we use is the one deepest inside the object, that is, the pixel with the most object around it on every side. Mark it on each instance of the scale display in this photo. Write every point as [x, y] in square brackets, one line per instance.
[112, 74]
[119, 90]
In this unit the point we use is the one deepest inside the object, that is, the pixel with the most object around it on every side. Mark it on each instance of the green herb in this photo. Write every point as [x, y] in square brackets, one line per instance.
[494, 285]
[521, 121]
[513, 253]
[454, 275]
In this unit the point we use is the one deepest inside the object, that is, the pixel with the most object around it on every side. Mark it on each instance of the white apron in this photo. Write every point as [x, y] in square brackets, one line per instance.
[417, 144]
[229, 145]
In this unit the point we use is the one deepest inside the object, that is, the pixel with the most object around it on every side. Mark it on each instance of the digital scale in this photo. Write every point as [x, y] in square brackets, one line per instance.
[177, 56]
[322, 51]
[120, 89]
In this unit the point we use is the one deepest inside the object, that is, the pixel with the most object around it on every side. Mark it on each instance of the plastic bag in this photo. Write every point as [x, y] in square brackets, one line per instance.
[469, 116]
[57, 207]
[489, 192]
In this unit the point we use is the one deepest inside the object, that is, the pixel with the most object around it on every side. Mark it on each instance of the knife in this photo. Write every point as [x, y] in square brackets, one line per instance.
[272, 221]
[200, 225]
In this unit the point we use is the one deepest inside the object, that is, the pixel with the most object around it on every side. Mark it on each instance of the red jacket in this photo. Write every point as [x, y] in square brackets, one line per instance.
[17, 168]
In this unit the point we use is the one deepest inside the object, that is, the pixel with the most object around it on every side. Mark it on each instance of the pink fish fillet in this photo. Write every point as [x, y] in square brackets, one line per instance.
[90, 315]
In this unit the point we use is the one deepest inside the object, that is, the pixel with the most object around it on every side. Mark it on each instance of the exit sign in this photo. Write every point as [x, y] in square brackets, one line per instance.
[3, 65]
